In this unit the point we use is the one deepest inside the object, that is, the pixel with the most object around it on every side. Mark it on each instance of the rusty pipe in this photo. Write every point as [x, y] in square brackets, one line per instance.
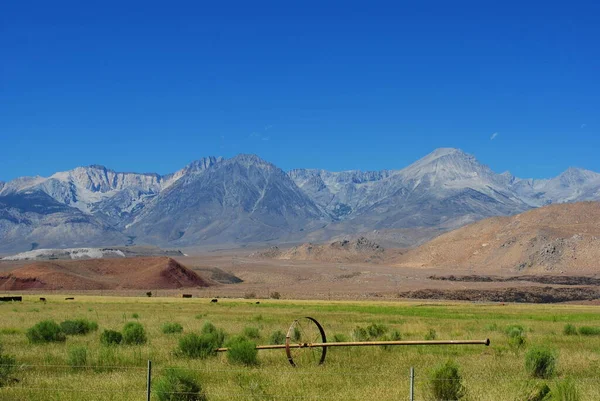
[369, 343]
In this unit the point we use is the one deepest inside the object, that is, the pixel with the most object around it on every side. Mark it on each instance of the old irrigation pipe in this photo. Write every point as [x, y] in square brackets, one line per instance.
[306, 342]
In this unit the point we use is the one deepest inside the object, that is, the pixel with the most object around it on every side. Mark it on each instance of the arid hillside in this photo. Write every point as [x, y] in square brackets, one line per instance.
[360, 250]
[102, 274]
[557, 238]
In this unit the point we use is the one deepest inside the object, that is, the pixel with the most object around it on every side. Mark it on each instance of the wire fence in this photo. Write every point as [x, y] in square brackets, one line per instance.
[145, 389]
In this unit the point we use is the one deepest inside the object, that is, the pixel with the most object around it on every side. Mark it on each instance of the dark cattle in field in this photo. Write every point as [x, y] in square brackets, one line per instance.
[43, 299]
[214, 300]
[257, 302]
[9, 299]
[186, 295]
[69, 299]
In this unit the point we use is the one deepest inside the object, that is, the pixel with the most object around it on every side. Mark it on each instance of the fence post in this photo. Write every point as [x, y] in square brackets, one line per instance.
[412, 384]
[149, 380]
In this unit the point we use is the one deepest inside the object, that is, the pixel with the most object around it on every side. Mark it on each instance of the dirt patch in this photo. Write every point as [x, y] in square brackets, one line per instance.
[521, 294]
[103, 274]
[543, 279]
[360, 250]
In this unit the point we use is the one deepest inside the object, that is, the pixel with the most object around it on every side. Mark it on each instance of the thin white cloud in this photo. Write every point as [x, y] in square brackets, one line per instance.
[494, 135]
[268, 127]
[259, 136]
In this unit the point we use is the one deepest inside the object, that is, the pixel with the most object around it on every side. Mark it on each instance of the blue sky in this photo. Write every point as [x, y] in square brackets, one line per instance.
[149, 87]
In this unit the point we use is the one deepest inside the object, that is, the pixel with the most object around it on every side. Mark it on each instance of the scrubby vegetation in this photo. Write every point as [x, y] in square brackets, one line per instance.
[171, 328]
[446, 384]
[242, 351]
[46, 331]
[540, 362]
[251, 332]
[431, 335]
[277, 337]
[178, 385]
[7, 367]
[565, 390]
[589, 331]
[134, 334]
[569, 330]
[111, 337]
[516, 337]
[202, 345]
[118, 372]
[78, 327]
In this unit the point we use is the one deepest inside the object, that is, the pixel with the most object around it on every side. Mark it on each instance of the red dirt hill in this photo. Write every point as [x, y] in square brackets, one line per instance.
[103, 274]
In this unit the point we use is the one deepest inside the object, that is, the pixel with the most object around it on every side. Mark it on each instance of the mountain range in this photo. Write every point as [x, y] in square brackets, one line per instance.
[246, 200]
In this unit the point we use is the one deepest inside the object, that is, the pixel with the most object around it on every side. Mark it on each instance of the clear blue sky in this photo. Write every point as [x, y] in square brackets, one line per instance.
[149, 87]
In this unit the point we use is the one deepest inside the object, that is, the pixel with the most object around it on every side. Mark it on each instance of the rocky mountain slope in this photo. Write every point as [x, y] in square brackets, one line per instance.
[359, 250]
[562, 237]
[246, 200]
[240, 200]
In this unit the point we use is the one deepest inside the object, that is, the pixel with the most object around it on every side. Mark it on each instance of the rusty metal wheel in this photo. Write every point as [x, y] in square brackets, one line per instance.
[301, 336]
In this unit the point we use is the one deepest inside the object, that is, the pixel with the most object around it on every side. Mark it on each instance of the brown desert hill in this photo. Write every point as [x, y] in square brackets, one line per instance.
[103, 274]
[562, 237]
[358, 250]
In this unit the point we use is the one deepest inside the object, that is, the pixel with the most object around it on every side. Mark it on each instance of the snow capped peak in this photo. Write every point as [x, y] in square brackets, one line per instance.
[447, 164]
[202, 164]
[440, 152]
[574, 175]
[249, 159]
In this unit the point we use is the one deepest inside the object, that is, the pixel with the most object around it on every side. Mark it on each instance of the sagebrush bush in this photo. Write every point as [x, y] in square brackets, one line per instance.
[569, 330]
[277, 337]
[219, 334]
[134, 334]
[540, 362]
[536, 392]
[565, 390]
[275, 295]
[78, 327]
[111, 337]
[178, 385]
[242, 351]
[589, 331]
[77, 356]
[431, 335]
[296, 334]
[7, 367]
[394, 335]
[340, 338]
[251, 332]
[376, 330]
[445, 382]
[360, 334]
[516, 337]
[45, 331]
[201, 346]
[171, 328]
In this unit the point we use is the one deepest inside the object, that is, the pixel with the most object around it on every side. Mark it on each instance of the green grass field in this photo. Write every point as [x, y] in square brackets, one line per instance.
[367, 373]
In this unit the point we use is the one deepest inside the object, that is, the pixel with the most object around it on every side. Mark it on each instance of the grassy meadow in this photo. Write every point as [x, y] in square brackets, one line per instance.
[493, 373]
